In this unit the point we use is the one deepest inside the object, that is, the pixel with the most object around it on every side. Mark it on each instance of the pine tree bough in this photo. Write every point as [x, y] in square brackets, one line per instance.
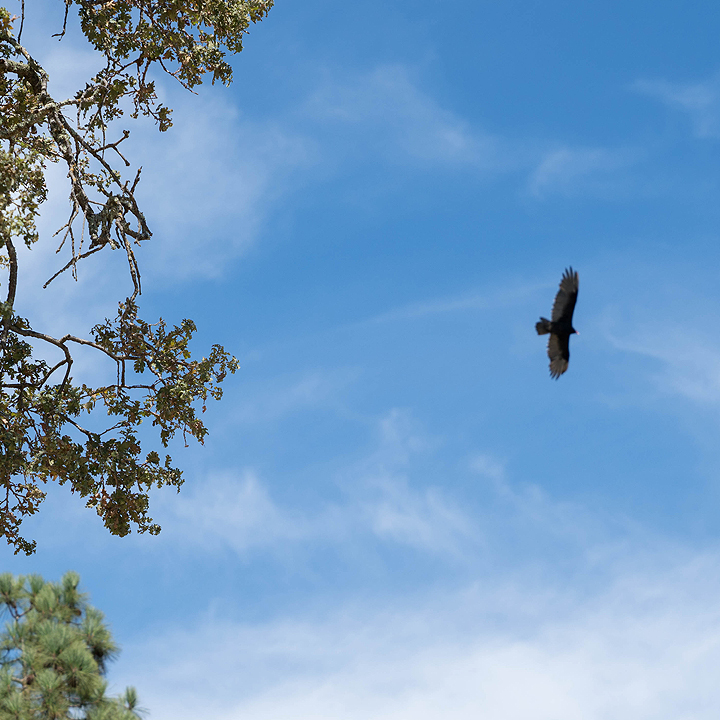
[51, 426]
[54, 653]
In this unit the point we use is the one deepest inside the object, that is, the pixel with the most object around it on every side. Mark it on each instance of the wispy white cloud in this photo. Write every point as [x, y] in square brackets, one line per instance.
[377, 498]
[646, 645]
[421, 517]
[527, 506]
[424, 519]
[700, 100]
[513, 293]
[688, 359]
[210, 183]
[395, 115]
[236, 512]
[579, 171]
[283, 396]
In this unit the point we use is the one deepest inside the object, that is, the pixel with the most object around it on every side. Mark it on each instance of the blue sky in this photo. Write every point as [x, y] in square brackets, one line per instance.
[398, 514]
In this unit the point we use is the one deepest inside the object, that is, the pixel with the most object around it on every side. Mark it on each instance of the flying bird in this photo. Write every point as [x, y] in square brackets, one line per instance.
[560, 327]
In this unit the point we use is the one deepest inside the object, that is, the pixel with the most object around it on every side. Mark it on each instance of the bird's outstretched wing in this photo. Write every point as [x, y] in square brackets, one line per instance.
[566, 297]
[558, 350]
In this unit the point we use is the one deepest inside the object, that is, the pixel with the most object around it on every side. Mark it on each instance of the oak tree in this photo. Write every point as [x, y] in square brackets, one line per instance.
[55, 426]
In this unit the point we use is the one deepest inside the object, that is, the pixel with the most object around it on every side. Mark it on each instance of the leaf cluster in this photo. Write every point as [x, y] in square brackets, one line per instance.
[43, 435]
[54, 652]
[186, 38]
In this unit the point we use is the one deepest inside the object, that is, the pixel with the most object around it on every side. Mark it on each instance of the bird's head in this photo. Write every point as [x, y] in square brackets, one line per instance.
[573, 331]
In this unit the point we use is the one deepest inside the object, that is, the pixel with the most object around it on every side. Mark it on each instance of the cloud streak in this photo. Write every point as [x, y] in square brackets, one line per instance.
[689, 361]
[699, 100]
[579, 171]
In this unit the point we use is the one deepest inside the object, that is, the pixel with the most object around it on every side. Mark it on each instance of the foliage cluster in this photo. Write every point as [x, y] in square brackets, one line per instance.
[52, 426]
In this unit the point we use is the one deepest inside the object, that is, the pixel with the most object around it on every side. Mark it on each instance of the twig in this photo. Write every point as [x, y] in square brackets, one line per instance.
[62, 34]
[72, 262]
[22, 19]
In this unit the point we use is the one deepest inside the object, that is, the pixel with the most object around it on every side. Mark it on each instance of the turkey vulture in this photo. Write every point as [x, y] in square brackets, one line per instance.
[560, 327]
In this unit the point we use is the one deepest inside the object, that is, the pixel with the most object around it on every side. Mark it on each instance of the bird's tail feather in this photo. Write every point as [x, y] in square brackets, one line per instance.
[543, 327]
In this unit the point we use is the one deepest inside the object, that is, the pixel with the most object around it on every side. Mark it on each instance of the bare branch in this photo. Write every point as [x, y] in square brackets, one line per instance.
[12, 288]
